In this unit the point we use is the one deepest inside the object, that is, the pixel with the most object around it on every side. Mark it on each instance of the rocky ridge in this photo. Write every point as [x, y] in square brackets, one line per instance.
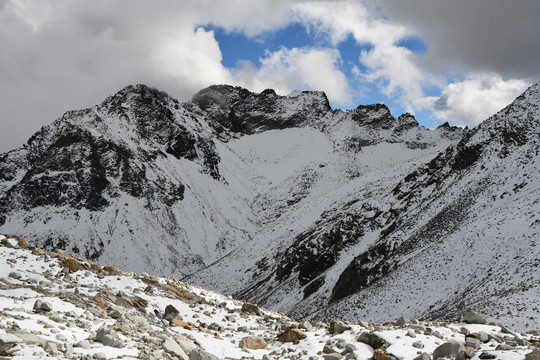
[62, 307]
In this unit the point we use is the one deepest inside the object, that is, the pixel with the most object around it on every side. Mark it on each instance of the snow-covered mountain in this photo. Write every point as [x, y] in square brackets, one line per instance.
[283, 201]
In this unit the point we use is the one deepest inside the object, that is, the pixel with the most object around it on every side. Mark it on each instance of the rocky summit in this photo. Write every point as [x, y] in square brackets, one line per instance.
[285, 202]
[58, 306]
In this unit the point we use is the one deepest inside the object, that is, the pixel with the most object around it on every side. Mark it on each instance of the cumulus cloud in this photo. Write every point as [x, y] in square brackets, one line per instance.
[67, 54]
[305, 68]
[392, 67]
[59, 55]
[476, 98]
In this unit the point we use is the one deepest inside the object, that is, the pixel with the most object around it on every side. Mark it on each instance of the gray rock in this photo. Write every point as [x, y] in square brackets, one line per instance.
[41, 307]
[172, 347]
[472, 317]
[423, 356]
[29, 338]
[9, 344]
[333, 356]
[327, 349]
[251, 308]
[115, 314]
[99, 356]
[140, 322]
[185, 344]
[170, 312]
[83, 344]
[372, 340]
[350, 348]
[108, 337]
[51, 347]
[306, 325]
[481, 335]
[14, 275]
[504, 347]
[418, 345]
[448, 350]
[472, 342]
[365, 325]
[402, 321]
[507, 330]
[339, 327]
[200, 354]
[46, 306]
[68, 350]
[533, 355]
[496, 337]
[521, 342]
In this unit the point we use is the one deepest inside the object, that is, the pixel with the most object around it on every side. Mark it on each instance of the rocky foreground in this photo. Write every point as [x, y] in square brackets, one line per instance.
[57, 306]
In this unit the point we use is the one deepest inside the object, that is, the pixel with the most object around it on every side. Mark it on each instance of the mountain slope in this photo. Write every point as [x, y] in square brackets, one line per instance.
[458, 231]
[283, 201]
[57, 306]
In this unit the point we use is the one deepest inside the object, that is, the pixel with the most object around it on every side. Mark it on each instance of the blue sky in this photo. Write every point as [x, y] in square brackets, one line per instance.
[457, 61]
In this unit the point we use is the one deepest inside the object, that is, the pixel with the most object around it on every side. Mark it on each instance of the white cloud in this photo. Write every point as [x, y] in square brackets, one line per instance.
[476, 98]
[304, 69]
[392, 67]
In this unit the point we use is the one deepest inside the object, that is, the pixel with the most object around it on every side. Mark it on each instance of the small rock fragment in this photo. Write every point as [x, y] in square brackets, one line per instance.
[253, 343]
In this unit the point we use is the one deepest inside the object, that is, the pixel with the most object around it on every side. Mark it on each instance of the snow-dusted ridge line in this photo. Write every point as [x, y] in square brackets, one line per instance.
[58, 306]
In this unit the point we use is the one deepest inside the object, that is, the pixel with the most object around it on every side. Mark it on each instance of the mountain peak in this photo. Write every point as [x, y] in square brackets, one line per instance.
[239, 110]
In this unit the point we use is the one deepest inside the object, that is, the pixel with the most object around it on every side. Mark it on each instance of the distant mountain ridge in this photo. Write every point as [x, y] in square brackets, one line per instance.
[284, 201]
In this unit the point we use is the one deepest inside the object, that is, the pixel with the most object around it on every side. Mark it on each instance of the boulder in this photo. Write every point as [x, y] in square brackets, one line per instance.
[9, 344]
[172, 347]
[449, 350]
[306, 325]
[533, 355]
[333, 356]
[252, 343]
[372, 340]
[14, 275]
[472, 317]
[291, 335]
[108, 337]
[423, 356]
[41, 306]
[251, 308]
[83, 344]
[200, 354]
[380, 354]
[338, 327]
[402, 321]
[51, 347]
[472, 342]
[170, 312]
[186, 345]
